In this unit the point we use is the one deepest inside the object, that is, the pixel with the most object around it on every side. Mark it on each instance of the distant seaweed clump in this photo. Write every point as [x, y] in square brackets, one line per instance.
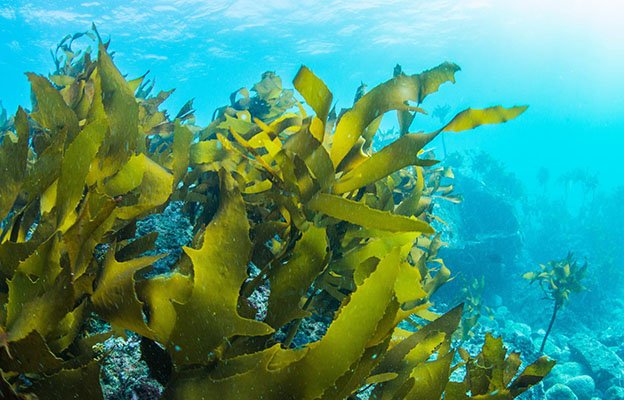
[284, 198]
[558, 279]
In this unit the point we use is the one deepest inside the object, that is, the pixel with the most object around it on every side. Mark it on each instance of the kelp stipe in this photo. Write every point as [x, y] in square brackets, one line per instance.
[331, 227]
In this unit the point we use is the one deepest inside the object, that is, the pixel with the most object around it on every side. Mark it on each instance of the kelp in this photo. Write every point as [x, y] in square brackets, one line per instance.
[558, 279]
[472, 297]
[493, 374]
[281, 200]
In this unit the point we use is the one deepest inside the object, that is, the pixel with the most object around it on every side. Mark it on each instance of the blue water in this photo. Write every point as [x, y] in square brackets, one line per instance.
[565, 59]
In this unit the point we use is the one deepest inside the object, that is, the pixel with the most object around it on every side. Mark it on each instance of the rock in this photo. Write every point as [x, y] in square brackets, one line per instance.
[604, 364]
[174, 231]
[519, 328]
[583, 386]
[560, 392]
[565, 371]
[614, 393]
[493, 243]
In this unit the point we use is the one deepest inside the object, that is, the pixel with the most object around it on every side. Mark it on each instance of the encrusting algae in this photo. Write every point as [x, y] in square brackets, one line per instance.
[332, 227]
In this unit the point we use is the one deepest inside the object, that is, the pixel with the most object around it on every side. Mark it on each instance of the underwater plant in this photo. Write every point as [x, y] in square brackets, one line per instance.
[290, 203]
[558, 279]
[472, 298]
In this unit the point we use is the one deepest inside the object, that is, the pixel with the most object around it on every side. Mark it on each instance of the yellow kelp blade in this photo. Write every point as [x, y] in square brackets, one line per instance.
[75, 167]
[305, 374]
[360, 214]
[115, 297]
[210, 315]
[471, 118]
[314, 91]
[13, 158]
[358, 375]
[399, 154]
[158, 294]
[51, 112]
[491, 383]
[393, 359]
[305, 146]
[291, 280]
[152, 183]
[122, 111]
[409, 360]
[180, 152]
[404, 151]
[32, 307]
[391, 95]
[532, 375]
[487, 380]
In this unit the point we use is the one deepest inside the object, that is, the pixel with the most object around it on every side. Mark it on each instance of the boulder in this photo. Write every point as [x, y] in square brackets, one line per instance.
[562, 372]
[614, 393]
[560, 392]
[605, 365]
[583, 386]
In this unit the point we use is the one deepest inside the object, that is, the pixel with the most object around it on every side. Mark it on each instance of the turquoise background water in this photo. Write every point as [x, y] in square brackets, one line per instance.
[563, 58]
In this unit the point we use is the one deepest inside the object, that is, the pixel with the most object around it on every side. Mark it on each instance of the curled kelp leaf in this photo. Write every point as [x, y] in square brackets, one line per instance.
[405, 150]
[391, 95]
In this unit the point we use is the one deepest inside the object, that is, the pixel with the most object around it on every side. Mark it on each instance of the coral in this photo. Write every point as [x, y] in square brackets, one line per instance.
[330, 229]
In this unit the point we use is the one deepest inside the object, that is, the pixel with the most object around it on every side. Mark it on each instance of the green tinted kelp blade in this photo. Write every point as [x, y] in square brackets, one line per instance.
[13, 157]
[115, 297]
[303, 144]
[360, 214]
[323, 363]
[75, 166]
[78, 383]
[51, 111]
[409, 360]
[472, 118]
[447, 324]
[291, 280]
[140, 175]
[122, 111]
[33, 306]
[180, 153]
[210, 316]
[401, 153]
[314, 91]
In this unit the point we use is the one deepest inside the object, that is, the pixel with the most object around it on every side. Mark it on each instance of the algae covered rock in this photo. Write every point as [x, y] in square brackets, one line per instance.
[560, 392]
[614, 393]
[563, 372]
[604, 364]
[583, 386]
